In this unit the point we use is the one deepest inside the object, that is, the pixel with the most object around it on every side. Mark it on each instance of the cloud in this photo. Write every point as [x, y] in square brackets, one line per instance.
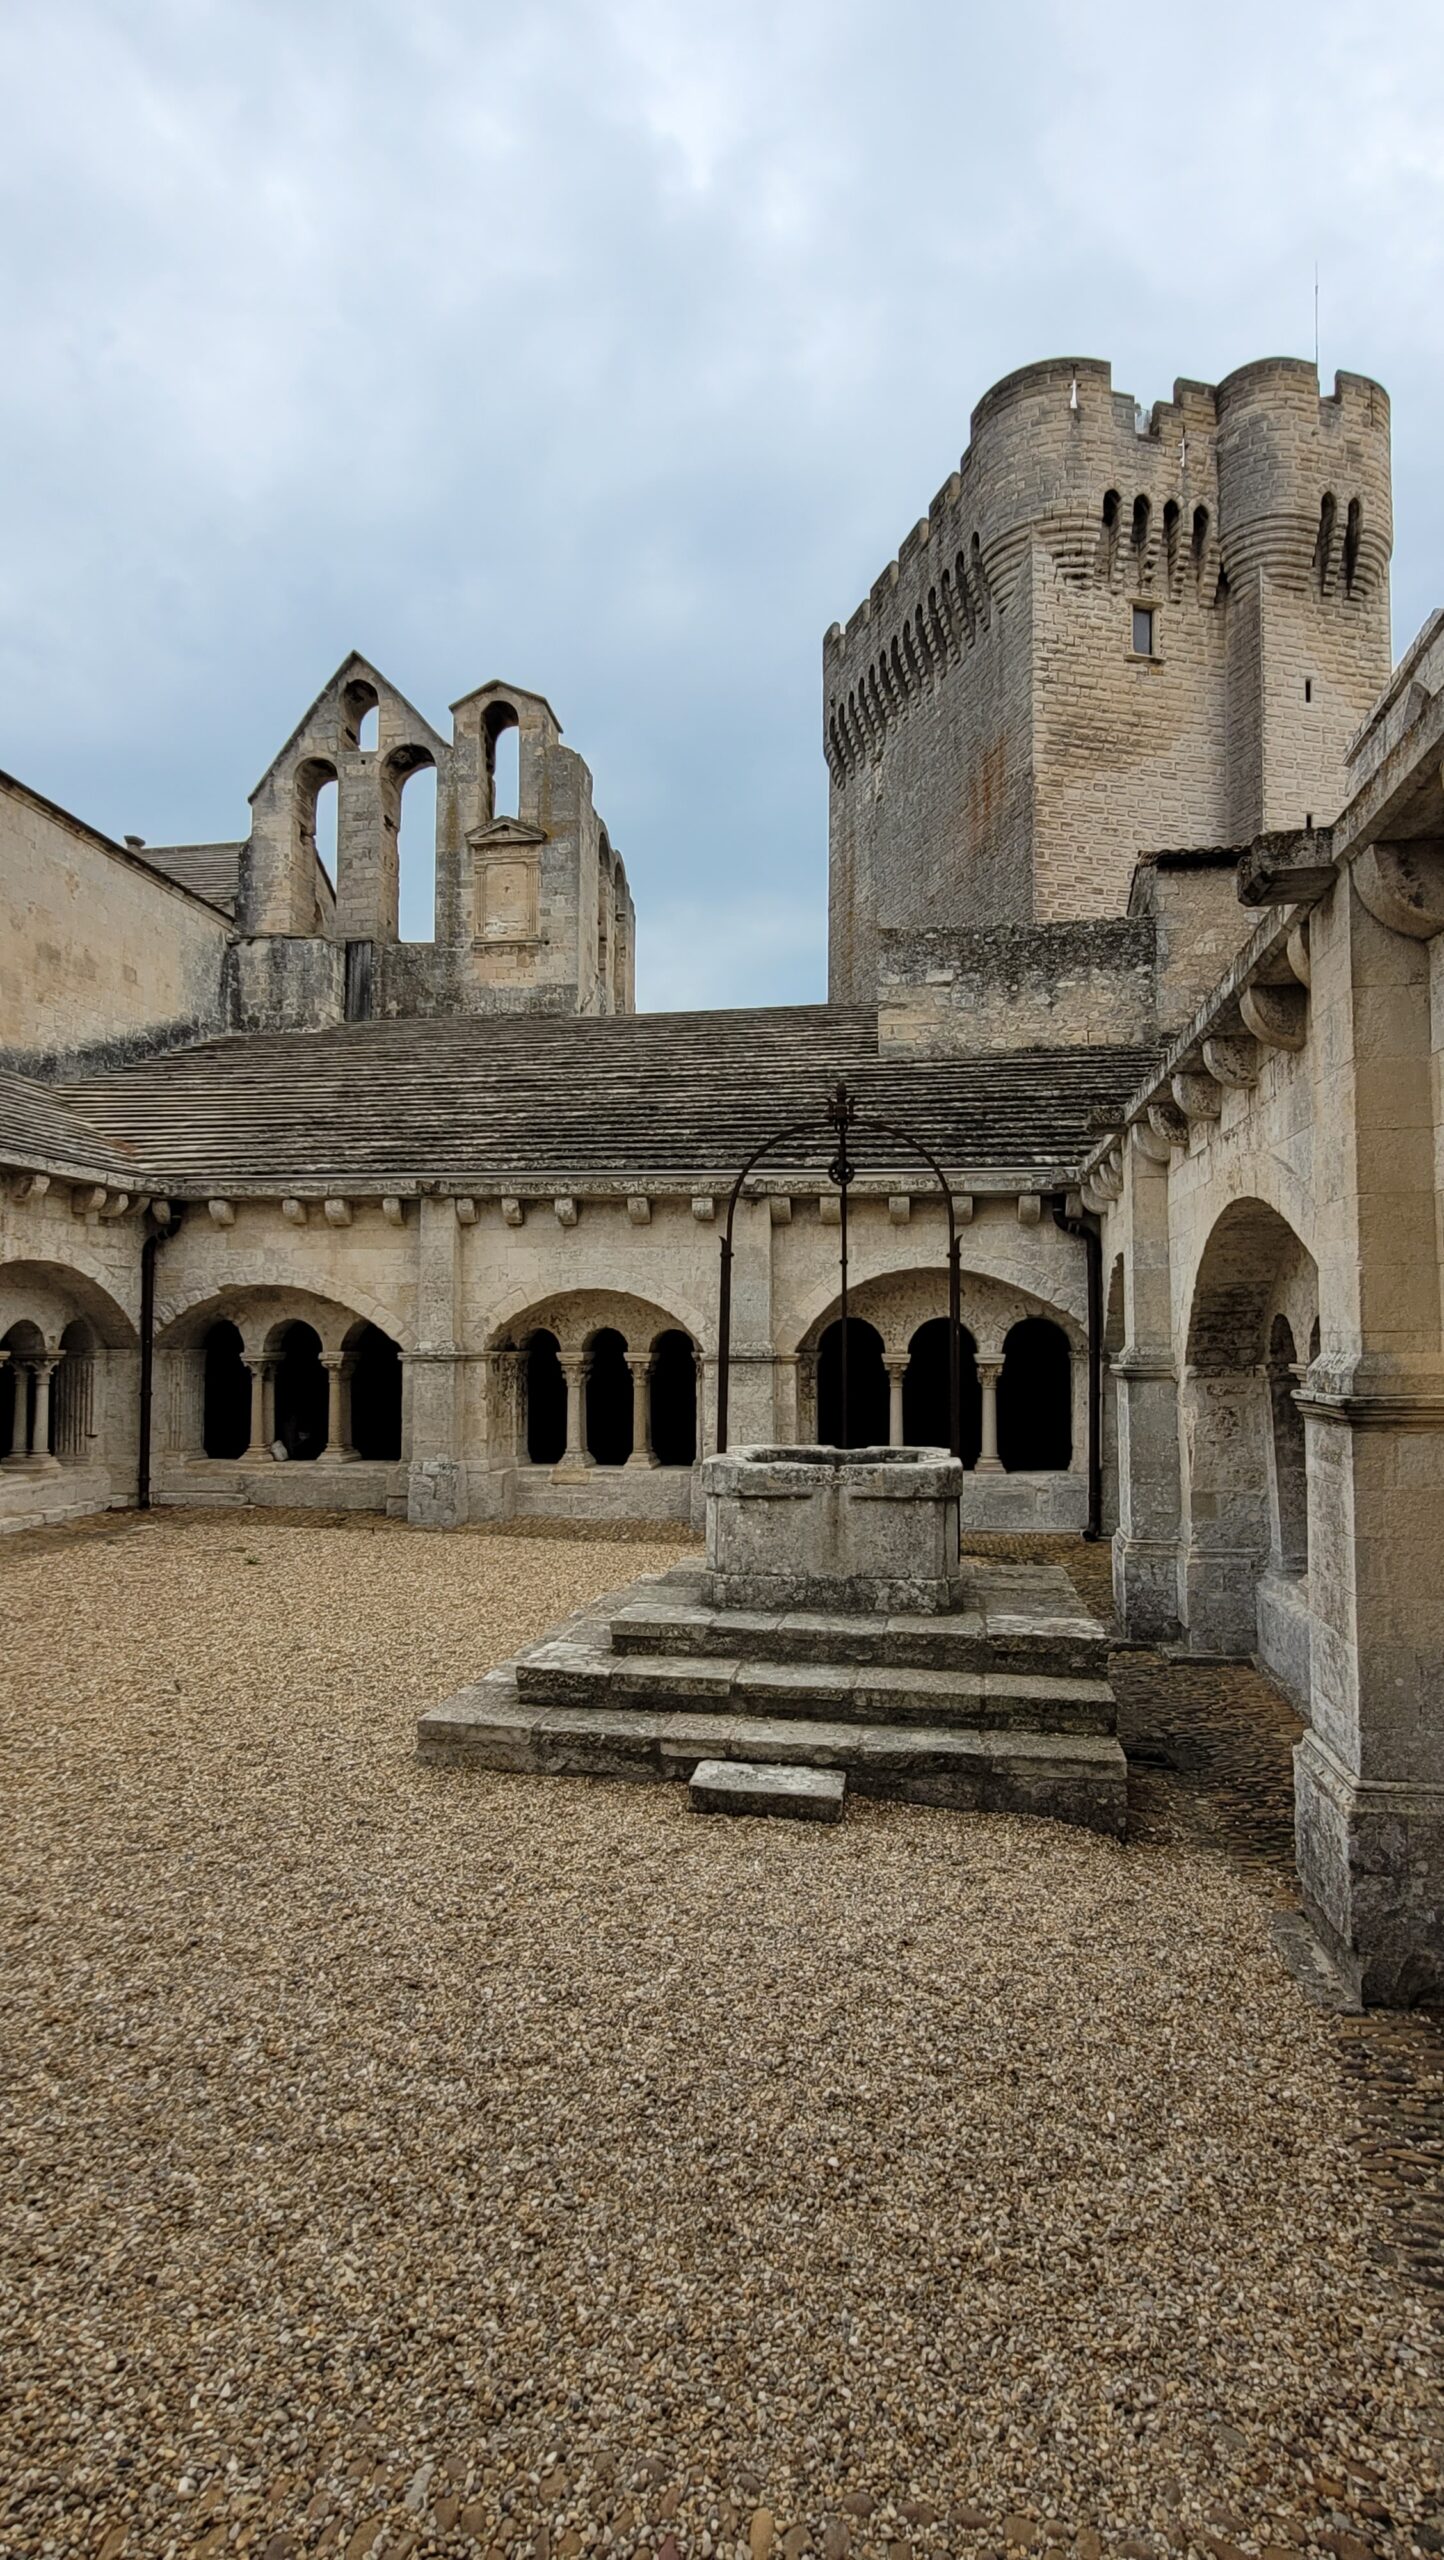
[612, 346]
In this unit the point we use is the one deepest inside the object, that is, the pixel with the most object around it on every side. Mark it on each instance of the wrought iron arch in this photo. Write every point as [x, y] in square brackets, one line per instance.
[836, 1123]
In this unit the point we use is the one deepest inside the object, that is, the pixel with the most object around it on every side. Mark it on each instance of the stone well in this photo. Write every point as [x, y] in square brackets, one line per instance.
[833, 1529]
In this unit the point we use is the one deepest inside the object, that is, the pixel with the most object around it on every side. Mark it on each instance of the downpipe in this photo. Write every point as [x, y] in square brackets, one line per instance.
[1085, 1229]
[162, 1222]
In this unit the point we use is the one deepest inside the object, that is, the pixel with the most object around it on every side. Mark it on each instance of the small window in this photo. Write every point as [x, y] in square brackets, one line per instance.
[1143, 619]
[1308, 688]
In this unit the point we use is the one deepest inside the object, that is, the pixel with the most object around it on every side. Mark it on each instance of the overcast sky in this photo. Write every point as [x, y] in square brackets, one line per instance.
[611, 346]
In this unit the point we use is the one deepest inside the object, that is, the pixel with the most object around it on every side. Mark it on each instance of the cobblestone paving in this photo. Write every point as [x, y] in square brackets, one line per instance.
[348, 2106]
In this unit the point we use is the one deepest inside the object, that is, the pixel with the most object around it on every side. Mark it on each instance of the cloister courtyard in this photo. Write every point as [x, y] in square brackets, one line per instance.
[405, 2159]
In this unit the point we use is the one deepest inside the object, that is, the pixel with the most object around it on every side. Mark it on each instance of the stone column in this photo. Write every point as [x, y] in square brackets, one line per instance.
[1146, 1544]
[989, 1365]
[5, 1363]
[332, 1446]
[1369, 1797]
[895, 1363]
[643, 1453]
[40, 1456]
[262, 1414]
[18, 1450]
[576, 1458]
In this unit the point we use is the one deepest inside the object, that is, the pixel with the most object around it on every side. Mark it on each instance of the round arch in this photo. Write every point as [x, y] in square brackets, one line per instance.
[54, 1295]
[1239, 1515]
[257, 1309]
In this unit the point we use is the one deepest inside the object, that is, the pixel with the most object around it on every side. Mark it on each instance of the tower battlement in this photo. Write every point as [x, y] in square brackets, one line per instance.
[1179, 615]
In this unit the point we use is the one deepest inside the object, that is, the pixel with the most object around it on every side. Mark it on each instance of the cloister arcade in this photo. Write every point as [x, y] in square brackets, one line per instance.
[67, 1384]
[595, 1379]
[1024, 1386]
[255, 1380]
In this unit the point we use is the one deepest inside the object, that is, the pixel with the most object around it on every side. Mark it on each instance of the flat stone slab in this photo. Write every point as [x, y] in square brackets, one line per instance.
[745, 1786]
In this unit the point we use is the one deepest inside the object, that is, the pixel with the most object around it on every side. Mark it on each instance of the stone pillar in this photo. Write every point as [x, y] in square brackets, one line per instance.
[5, 1363]
[19, 1448]
[786, 1391]
[262, 1398]
[1369, 1795]
[640, 1365]
[332, 1445]
[437, 1495]
[576, 1458]
[40, 1457]
[895, 1363]
[989, 1365]
[1145, 1546]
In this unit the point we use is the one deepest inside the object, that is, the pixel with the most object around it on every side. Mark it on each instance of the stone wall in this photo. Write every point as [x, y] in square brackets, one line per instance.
[101, 958]
[961, 994]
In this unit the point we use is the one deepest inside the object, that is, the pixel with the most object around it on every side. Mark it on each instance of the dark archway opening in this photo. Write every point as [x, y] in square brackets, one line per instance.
[226, 1395]
[545, 1390]
[674, 1400]
[375, 1395]
[867, 1397]
[301, 1394]
[925, 1391]
[609, 1399]
[1035, 1398]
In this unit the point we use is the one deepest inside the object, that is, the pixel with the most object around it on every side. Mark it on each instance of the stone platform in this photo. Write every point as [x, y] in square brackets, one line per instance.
[1000, 1704]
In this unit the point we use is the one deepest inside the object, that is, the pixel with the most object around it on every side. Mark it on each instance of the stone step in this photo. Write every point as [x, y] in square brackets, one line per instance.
[567, 1673]
[1059, 1642]
[1068, 1777]
[751, 1786]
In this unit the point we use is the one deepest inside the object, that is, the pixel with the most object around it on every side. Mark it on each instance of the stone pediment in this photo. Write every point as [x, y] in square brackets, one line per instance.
[502, 835]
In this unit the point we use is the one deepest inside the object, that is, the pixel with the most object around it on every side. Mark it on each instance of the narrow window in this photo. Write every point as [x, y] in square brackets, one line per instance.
[1143, 620]
[1141, 515]
[503, 757]
[327, 799]
[1200, 536]
[368, 736]
[1308, 688]
[416, 853]
[1111, 505]
[1170, 534]
[1324, 538]
[1353, 531]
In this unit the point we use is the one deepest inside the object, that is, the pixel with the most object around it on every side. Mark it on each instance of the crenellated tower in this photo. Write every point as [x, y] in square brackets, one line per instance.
[1112, 631]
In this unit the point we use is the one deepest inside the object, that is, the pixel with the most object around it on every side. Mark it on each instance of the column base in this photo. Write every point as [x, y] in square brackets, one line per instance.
[642, 1458]
[1371, 1863]
[1221, 1590]
[576, 1468]
[988, 1467]
[437, 1494]
[1145, 1588]
[36, 1464]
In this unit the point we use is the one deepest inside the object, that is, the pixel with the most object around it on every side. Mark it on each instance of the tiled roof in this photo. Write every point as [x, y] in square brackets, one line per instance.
[40, 1130]
[488, 1098]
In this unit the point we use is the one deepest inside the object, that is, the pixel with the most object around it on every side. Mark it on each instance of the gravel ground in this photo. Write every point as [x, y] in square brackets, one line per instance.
[401, 2160]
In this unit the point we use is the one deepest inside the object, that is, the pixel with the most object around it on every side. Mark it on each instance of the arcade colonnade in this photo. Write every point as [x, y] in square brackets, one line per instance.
[1270, 1210]
[270, 1386]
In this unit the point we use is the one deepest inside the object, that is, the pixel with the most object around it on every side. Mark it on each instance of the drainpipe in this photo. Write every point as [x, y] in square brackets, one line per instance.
[1086, 1230]
[162, 1223]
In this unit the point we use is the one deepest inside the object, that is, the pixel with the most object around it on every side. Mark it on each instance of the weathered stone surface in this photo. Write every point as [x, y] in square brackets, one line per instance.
[837, 1529]
[747, 1786]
